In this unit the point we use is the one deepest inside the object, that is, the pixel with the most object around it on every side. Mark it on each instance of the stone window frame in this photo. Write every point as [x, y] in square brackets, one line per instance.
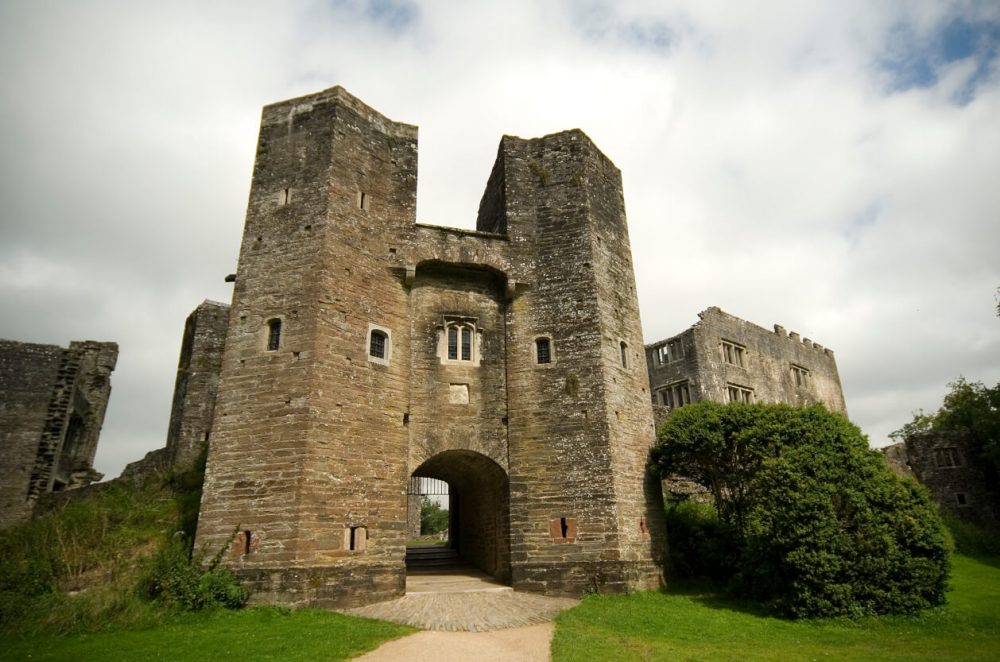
[460, 323]
[733, 353]
[739, 393]
[671, 350]
[356, 539]
[387, 332]
[947, 457]
[551, 347]
[676, 394]
[268, 333]
[800, 375]
[363, 200]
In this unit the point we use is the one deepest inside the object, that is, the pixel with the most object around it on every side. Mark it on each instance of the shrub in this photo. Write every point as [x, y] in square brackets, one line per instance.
[821, 526]
[179, 579]
[701, 544]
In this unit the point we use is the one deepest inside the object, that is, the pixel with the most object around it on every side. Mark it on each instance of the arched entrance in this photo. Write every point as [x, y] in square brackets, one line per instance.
[479, 507]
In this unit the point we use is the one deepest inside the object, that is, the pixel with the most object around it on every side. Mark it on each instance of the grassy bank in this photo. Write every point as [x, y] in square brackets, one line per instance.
[250, 634]
[694, 623]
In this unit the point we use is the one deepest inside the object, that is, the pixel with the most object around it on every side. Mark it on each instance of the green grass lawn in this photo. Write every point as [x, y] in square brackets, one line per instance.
[692, 624]
[250, 634]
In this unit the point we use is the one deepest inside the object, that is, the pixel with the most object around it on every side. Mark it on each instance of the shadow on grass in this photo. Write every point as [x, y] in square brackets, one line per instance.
[713, 595]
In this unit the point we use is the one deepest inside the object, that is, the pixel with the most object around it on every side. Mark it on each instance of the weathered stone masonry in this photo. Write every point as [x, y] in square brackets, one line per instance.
[52, 404]
[723, 358]
[364, 348]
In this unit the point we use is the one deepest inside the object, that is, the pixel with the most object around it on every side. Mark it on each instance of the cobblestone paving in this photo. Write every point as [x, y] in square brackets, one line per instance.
[470, 611]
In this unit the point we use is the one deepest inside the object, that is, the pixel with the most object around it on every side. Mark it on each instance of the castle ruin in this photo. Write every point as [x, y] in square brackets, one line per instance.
[723, 358]
[52, 404]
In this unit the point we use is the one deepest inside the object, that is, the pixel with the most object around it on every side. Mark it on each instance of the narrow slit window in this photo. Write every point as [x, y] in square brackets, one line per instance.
[624, 352]
[273, 335]
[466, 344]
[452, 342]
[358, 537]
[543, 353]
[246, 542]
[563, 527]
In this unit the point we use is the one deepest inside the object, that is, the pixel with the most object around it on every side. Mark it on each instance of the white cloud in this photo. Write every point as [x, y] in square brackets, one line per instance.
[769, 168]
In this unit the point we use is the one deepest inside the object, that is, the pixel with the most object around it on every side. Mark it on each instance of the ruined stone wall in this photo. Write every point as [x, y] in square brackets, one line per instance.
[196, 384]
[955, 477]
[770, 366]
[52, 405]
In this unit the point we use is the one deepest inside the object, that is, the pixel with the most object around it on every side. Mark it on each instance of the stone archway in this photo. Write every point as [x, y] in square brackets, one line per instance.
[479, 502]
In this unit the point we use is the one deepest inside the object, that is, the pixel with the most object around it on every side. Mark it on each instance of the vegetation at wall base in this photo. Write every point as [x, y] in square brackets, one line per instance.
[117, 556]
[694, 621]
[811, 521]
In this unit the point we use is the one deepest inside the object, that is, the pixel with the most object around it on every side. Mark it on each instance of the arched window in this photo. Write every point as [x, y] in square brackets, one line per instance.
[376, 346]
[543, 350]
[273, 335]
[459, 340]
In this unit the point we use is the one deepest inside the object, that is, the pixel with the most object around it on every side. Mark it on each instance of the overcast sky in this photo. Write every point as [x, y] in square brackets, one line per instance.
[830, 166]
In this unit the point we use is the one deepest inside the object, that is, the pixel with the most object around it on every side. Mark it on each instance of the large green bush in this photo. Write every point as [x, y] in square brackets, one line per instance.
[821, 525]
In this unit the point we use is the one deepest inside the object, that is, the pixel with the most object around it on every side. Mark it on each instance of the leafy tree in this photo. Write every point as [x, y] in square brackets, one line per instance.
[820, 525]
[433, 518]
[969, 408]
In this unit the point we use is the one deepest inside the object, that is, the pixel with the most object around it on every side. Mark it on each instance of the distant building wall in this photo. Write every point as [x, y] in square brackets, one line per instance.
[723, 358]
[52, 405]
[956, 478]
[197, 383]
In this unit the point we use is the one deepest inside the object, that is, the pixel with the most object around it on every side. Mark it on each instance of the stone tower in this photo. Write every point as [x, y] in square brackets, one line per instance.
[364, 348]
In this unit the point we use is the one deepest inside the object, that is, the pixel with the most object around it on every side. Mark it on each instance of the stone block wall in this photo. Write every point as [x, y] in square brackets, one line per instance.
[723, 352]
[317, 432]
[196, 384]
[956, 477]
[52, 405]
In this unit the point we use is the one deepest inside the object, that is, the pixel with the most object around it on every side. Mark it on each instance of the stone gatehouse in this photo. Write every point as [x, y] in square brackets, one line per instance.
[364, 348]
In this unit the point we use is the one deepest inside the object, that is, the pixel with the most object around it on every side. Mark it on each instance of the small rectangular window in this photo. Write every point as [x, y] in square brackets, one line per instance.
[736, 393]
[676, 395]
[542, 350]
[800, 375]
[357, 538]
[946, 458]
[273, 335]
[733, 353]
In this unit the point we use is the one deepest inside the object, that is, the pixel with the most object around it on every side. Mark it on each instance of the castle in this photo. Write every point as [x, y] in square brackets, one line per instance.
[364, 348]
[364, 352]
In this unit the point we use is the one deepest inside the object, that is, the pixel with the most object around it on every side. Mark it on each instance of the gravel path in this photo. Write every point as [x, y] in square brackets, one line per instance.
[526, 644]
